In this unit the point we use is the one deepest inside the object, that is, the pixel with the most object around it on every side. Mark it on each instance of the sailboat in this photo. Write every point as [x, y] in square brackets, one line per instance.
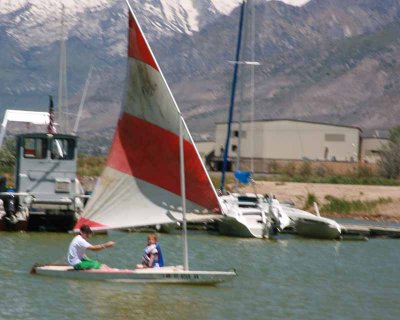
[246, 215]
[153, 175]
[308, 225]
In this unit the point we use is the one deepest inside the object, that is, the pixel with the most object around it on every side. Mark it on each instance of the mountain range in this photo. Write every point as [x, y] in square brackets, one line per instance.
[333, 61]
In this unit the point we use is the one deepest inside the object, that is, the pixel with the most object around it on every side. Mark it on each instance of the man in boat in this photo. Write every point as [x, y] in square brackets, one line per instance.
[76, 252]
[152, 257]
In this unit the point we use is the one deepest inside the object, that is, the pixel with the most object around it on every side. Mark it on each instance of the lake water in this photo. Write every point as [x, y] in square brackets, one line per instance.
[287, 278]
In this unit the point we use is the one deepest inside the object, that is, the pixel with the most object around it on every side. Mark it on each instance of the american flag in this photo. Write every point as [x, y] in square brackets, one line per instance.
[50, 127]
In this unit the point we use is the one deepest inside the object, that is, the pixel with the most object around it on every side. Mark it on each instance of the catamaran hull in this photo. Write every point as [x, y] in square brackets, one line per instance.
[231, 226]
[166, 275]
[316, 229]
[308, 225]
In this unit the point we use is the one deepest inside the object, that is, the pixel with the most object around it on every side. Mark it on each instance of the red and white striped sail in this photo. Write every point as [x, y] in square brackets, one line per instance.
[140, 185]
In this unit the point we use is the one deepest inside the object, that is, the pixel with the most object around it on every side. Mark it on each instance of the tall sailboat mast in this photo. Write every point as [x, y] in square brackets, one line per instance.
[232, 99]
[247, 13]
[62, 79]
[252, 76]
[241, 92]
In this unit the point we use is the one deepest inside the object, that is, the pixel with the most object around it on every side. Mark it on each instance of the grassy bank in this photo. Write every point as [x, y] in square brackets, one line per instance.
[90, 166]
[343, 206]
[332, 204]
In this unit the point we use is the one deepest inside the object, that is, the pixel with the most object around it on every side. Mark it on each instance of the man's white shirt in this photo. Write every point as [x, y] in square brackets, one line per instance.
[77, 250]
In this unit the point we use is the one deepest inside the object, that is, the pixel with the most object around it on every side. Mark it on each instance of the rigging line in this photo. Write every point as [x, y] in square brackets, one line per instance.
[78, 116]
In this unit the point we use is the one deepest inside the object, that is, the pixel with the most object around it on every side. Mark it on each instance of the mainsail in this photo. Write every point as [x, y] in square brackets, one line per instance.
[140, 185]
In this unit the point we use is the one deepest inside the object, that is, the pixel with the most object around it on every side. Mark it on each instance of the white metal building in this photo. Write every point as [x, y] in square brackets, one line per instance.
[371, 148]
[205, 148]
[290, 140]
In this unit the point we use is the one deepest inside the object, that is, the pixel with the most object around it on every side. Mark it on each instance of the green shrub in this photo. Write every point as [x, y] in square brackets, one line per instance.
[311, 198]
[290, 169]
[274, 167]
[7, 154]
[321, 171]
[364, 172]
[336, 205]
[305, 169]
[90, 166]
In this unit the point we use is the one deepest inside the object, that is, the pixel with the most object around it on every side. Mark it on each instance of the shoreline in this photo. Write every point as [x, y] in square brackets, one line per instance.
[364, 217]
[297, 193]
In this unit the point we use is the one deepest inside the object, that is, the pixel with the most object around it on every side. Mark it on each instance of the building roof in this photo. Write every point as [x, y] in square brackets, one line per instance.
[294, 120]
[376, 134]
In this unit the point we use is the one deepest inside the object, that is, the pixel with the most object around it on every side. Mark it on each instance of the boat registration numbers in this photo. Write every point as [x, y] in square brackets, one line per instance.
[182, 276]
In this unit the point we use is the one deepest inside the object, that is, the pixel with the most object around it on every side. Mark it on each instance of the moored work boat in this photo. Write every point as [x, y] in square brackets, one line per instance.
[153, 175]
[47, 193]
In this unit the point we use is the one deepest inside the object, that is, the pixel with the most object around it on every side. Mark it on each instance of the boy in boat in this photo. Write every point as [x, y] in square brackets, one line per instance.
[152, 257]
[76, 252]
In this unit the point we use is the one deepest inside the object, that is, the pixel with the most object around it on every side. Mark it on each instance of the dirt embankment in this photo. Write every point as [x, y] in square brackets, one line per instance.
[297, 193]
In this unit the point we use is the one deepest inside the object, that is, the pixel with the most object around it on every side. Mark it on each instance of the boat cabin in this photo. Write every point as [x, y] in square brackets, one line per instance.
[46, 165]
[45, 178]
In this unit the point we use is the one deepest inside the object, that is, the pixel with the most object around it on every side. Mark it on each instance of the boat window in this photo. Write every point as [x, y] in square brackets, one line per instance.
[252, 213]
[247, 199]
[63, 149]
[247, 205]
[35, 148]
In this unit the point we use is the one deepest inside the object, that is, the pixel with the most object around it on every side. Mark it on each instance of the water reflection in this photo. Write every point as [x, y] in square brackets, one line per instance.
[128, 301]
[290, 278]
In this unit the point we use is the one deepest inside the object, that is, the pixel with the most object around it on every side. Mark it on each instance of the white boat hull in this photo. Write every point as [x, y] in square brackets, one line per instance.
[317, 229]
[167, 275]
[232, 226]
[244, 216]
[312, 226]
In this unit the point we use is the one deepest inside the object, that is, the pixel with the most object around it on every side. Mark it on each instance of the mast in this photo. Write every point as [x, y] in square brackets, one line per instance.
[232, 100]
[241, 93]
[62, 79]
[183, 195]
[252, 91]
